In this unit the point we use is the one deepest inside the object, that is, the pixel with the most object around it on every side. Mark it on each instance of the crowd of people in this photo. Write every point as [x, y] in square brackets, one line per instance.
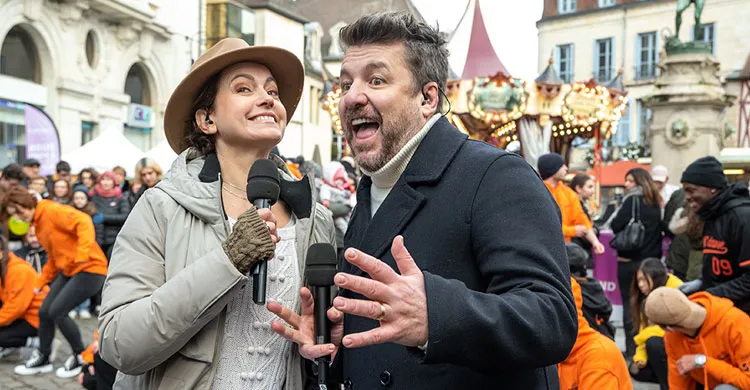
[704, 274]
[459, 265]
[57, 243]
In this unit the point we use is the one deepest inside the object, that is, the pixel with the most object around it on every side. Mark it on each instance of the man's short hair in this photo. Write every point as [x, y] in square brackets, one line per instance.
[62, 166]
[120, 170]
[13, 171]
[425, 47]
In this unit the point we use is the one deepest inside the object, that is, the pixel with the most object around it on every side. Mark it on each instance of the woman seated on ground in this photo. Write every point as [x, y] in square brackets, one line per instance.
[650, 359]
[19, 309]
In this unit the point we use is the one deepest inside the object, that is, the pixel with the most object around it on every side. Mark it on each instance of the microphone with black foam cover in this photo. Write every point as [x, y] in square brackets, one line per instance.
[263, 191]
[320, 268]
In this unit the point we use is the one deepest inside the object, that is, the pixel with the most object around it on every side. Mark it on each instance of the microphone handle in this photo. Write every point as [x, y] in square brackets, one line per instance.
[322, 296]
[260, 271]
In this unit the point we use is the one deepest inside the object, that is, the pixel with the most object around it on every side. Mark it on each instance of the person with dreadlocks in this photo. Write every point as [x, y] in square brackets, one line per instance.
[19, 308]
[75, 271]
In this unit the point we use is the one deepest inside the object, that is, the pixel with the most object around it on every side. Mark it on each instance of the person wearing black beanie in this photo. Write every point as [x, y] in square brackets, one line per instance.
[549, 165]
[725, 209]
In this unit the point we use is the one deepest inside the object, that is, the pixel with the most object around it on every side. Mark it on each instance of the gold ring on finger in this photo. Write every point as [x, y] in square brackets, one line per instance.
[382, 312]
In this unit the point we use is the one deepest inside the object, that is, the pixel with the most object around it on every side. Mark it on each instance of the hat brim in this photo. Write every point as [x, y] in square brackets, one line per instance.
[285, 67]
[661, 179]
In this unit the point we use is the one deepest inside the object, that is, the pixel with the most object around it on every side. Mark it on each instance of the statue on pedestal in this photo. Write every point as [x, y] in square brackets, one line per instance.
[673, 43]
[682, 5]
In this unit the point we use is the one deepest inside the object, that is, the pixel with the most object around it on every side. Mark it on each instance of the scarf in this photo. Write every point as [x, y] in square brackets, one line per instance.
[113, 193]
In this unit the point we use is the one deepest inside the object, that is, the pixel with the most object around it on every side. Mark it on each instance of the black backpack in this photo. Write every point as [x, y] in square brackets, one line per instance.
[596, 307]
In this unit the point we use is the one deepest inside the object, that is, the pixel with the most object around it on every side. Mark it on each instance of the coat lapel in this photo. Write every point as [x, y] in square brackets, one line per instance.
[431, 159]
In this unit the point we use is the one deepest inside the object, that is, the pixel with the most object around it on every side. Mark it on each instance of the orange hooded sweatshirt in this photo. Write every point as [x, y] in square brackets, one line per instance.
[17, 293]
[595, 361]
[69, 238]
[570, 208]
[724, 340]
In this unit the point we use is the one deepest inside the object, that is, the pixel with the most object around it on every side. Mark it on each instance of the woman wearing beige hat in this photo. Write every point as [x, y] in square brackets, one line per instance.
[176, 313]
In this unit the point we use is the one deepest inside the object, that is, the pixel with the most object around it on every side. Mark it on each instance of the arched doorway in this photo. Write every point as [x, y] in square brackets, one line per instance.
[19, 59]
[140, 114]
[19, 56]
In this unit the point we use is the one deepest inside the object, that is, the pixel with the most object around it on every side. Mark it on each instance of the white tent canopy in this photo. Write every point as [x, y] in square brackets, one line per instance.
[104, 152]
[163, 155]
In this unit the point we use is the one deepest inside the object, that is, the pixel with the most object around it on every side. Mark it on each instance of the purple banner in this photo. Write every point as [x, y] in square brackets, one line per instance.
[42, 141]
[605, 269]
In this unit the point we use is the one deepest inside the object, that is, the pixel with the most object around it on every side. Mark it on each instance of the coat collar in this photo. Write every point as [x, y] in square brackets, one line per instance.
[295, 193]
[430, 161]
[434, 154]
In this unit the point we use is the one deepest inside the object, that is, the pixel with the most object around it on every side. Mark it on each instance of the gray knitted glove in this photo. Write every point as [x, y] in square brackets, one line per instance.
[249, 242]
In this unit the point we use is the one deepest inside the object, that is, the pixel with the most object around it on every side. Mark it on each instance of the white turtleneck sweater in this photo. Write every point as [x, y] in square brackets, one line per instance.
[386, 177]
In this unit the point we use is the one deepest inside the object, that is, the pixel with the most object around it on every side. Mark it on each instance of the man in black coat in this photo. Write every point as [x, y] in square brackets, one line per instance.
[481, 298]
[726, 232]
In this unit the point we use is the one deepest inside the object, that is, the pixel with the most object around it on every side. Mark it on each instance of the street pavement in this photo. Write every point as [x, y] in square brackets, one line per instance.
[9, 380]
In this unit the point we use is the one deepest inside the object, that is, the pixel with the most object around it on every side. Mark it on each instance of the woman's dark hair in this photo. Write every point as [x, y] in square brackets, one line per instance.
[205, 143]
[651, 194]
[579, 180]
[651, 268]
[91, 171]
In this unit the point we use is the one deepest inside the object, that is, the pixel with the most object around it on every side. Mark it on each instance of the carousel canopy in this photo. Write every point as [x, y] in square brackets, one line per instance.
[471, 51]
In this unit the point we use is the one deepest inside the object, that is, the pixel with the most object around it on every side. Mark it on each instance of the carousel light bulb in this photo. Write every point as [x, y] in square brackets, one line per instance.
[568, 132]
[507, 139]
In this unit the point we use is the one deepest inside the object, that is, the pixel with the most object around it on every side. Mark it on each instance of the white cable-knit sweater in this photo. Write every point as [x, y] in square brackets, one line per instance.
[386, 177]
[252, 355]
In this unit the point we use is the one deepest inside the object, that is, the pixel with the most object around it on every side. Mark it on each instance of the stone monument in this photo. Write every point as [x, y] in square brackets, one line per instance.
[687, 105]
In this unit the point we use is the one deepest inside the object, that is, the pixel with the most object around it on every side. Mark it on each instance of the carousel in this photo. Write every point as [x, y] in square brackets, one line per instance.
[528, 117]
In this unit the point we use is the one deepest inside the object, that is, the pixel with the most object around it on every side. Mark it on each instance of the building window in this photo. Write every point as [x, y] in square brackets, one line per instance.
[566, 6]
[88, 131]
[136, 86]
[622, 137]
[603, 69]
[92, 54]
[646, 56]
[138, 136]
[644, 119]
[564, 62]
[607, 3]
[240, 24]
[19, 57]
[706, 33]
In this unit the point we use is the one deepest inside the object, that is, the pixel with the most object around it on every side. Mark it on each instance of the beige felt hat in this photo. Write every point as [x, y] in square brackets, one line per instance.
[285, 67]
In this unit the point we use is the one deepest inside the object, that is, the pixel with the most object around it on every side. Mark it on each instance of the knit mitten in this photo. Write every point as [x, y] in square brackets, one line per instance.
[249, 242]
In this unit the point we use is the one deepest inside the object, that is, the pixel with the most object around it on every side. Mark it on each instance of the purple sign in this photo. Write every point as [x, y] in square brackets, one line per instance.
[605, 269]
[42, 142]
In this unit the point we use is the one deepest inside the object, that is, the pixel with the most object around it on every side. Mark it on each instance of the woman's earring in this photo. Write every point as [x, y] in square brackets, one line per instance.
[208, 120]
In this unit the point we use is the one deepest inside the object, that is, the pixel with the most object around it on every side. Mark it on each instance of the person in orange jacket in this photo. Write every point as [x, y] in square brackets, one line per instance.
[76, 270]
[706, 339]
[575, 222]
[19, 312]
[595, 361]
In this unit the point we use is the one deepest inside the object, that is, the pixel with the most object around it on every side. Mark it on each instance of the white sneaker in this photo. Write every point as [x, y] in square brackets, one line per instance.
[35, 365]
[56, 344]
[71, 368]
[72, 314]
[84, 314]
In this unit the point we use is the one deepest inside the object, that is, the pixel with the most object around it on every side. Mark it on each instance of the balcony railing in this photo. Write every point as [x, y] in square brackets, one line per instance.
[603, 75]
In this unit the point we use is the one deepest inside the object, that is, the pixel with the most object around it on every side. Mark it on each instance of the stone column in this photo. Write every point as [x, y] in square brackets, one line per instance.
[688, 111]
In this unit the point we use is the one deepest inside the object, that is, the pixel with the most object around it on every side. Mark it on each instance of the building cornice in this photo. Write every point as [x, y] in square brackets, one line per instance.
[281, 11]
[618, 7]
